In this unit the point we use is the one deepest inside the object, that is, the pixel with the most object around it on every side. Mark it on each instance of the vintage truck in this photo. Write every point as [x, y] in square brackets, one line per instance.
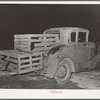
[57, 53]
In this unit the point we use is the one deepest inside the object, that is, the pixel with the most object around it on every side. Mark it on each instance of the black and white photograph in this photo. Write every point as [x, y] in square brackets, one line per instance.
[50, 46]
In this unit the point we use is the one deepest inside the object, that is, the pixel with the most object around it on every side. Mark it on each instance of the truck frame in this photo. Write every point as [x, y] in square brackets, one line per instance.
[57, 53]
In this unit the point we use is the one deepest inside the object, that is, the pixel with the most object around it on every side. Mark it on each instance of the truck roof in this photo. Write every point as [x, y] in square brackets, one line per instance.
[68, 29]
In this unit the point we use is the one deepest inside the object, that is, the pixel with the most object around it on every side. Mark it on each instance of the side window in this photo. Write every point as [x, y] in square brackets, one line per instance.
[82, 37]
[73, 36]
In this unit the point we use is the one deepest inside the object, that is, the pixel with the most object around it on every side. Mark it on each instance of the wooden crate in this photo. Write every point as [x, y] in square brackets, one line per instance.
[33, 42]
[21, 62]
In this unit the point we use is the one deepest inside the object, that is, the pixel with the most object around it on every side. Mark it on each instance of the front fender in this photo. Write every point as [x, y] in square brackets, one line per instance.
[54, 59]
[55, 49]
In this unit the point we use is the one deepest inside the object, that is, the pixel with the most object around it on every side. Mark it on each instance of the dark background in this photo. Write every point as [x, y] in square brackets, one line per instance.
[36, 18]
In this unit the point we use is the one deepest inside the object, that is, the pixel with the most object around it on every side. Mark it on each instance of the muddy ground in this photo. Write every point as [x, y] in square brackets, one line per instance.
[82, 80]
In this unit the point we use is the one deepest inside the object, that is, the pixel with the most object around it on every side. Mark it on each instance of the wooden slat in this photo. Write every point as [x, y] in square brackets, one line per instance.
[20, 41]
[34, 64]
[24, 56]
[23, 49]
[43, 44]
[26, 50]
[52, 39]
[39, 44]
[21, 36]
[22, 46]
[23, 61]
[30, 70]
[43, 48]
[38, 58]
[36, 35]
[29, 35]
[24, 66]
[36, 53]
[40, 49]
[26, 39]
[37, 40]
[51, 35]
[17, 44]
[17, 39]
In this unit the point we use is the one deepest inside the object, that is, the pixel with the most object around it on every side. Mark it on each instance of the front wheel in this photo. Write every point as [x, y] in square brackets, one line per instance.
[63, 72]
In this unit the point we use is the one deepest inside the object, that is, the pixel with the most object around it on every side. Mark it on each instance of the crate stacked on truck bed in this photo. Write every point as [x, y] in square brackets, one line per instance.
[20, 62]
[34, 42]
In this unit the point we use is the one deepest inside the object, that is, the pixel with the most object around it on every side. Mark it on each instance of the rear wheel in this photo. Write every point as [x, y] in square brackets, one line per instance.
[63, 71]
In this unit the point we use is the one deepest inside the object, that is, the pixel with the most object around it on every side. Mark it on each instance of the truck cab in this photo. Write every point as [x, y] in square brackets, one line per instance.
[77, 40]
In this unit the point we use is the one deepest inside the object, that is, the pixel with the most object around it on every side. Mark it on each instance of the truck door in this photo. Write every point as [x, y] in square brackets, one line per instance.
[82, 47]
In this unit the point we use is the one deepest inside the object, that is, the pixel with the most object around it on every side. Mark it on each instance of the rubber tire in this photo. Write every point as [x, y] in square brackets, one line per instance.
[68, 74]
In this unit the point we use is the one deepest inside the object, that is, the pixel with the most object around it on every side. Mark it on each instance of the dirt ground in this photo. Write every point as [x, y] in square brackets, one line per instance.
[82, 80]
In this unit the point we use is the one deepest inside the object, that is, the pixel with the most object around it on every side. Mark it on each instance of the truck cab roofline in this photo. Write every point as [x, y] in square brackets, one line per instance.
[68, 28]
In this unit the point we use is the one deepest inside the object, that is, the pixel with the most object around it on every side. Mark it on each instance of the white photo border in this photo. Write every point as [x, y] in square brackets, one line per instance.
[45, 93]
